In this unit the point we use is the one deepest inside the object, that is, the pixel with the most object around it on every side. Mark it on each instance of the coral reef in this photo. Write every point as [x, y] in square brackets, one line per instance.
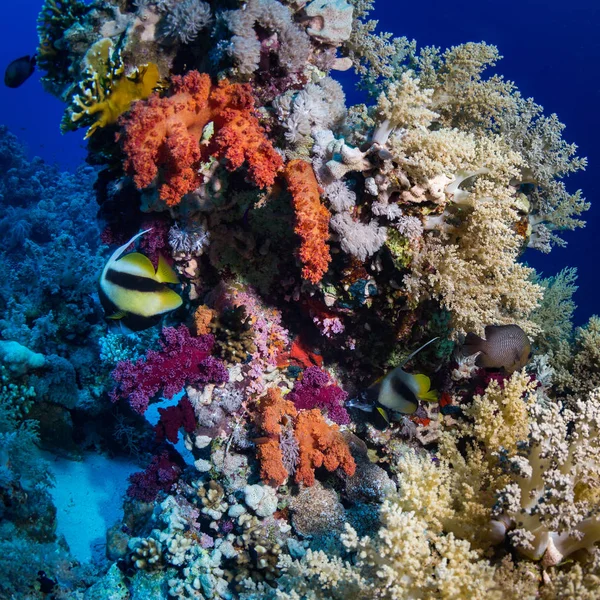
[316, 247]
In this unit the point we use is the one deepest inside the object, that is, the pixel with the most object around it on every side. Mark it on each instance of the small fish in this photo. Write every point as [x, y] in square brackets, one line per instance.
[19, 71]
[46, 584]
[398, 391]
[504, 347]
[132, 292]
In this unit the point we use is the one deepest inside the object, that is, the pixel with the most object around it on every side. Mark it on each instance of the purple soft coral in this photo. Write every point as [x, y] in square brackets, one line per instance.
[160, 475]
[315, 390]
[174, 418]
[182, 360]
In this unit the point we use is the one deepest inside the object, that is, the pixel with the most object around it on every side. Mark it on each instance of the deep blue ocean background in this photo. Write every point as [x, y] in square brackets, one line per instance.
[551, 49]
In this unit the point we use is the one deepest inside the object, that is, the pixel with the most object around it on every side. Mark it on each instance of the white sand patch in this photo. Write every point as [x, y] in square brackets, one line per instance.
[88, 496]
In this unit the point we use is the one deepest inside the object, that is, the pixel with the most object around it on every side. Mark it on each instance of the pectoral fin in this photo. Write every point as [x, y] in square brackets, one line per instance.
[424, 388]
[384, 414]
[118, 315]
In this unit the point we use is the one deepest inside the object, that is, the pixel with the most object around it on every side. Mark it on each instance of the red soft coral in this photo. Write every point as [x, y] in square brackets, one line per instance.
[312, 219]
[163, 135]
[160, 475]
[174, 418]
[182, 360]
[320, 445]
[272, 413]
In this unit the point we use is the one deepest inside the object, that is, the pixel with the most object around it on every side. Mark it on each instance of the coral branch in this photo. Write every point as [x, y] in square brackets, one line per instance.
[312, 219]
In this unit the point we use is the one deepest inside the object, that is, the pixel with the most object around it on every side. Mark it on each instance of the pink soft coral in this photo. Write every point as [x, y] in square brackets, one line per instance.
[315, 390]
[182, 360]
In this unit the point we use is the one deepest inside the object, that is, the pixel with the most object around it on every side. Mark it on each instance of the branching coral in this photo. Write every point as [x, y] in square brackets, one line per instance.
[550, 509]
[163, 135]
[403, 559]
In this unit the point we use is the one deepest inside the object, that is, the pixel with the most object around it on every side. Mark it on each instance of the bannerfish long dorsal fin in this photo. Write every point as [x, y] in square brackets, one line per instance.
[117, 253]
[411, 356]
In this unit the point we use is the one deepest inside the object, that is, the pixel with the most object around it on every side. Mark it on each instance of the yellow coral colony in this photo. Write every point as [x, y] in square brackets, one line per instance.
[106, 92]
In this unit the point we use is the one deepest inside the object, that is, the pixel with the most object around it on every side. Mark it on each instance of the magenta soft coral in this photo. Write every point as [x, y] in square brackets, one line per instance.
[160, 475]
[174, 418]
[182, 360]
[315, 390]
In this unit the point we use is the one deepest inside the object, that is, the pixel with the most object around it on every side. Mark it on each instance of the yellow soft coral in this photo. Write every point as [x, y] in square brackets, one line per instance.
[106, 92]
[500, 415]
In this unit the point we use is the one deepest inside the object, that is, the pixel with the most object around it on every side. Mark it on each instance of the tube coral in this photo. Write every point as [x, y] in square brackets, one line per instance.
[162, 135]
[312, 219]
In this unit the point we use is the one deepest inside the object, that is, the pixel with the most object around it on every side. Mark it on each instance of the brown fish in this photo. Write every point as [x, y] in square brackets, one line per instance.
[504, 347]
[19, 71]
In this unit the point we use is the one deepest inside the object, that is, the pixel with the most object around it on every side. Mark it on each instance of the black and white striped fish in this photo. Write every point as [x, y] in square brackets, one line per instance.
[133, 292]
[398, 391]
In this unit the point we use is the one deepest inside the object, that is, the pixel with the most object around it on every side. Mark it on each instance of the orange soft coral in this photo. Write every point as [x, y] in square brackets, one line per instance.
[312, 219]
[163, 135]
[320, 445]
[202, 319]
[273, 413]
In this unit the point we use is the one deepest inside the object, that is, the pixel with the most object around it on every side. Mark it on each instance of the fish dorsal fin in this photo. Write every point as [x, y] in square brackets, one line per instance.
[136, 264]
[492, 330]
[117, 253]
[411, 356]
[164, 272]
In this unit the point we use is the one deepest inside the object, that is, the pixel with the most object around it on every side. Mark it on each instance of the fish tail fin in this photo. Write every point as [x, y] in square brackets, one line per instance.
[472, 345]
[424, 388]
